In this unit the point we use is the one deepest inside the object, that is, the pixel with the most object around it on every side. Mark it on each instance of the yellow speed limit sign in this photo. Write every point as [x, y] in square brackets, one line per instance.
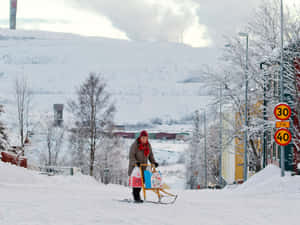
[283, 137]
[282, 111]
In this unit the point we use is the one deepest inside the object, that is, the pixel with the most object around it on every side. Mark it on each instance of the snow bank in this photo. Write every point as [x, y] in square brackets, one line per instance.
[90, 204]
[269, 181]
[17, 175]
[77, 179]
[11, 174]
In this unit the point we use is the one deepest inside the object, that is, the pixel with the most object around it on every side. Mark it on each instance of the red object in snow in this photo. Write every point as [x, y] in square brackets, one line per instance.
[13, 159]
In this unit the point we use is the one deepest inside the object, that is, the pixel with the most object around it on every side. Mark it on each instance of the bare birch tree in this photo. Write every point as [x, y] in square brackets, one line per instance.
[23, 97]
[93, 112]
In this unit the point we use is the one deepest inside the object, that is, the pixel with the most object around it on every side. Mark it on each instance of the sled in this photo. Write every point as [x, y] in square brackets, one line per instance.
[160, 192]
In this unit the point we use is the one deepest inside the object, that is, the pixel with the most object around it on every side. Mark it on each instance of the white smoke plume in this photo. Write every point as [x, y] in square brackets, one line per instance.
[144, 19]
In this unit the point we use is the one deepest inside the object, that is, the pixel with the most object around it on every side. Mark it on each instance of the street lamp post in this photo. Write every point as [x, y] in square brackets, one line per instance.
[246, 109]
[205, 149]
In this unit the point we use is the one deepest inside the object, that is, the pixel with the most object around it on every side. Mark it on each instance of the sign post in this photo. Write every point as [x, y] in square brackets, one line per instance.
[283, 136]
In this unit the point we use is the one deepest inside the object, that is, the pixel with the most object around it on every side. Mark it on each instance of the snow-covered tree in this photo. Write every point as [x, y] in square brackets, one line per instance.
[79, 150]
[3, 135]
[264, 41]
[53, 140]
[194, 157]
[54, 137]
[112, 161]
[213, 153]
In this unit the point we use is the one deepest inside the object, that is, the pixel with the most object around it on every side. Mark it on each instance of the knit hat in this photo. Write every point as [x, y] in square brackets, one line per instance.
[144, 146]
[144, 133]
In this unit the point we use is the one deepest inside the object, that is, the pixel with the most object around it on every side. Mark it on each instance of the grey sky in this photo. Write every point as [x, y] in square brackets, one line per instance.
[194, 22]
[224, 17]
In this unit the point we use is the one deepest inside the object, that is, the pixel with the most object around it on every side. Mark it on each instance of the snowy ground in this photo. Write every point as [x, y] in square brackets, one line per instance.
[32, 199]
[145, 80]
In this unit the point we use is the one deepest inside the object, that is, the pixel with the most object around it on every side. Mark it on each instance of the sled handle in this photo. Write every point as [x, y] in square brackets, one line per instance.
[151, 165]
[144, 164]
[147, 164]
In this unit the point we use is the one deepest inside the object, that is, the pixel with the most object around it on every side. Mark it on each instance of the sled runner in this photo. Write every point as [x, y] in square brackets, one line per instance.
[151, 181]
[127, 200]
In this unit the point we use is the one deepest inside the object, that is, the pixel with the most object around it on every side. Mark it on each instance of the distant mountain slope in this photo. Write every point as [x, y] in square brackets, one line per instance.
[143, 77]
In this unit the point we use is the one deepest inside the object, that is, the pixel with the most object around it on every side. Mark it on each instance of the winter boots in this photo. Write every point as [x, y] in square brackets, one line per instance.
[136, 195]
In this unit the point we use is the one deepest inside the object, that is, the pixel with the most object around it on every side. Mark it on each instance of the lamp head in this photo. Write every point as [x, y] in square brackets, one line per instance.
[242, 34]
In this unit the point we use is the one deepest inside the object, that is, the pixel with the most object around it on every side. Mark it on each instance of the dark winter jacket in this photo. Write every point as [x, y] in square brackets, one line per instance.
[136, 155]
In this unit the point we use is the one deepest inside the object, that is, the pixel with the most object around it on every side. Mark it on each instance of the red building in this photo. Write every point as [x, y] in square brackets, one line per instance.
[165, 136]
[12, 158]
[125, 135]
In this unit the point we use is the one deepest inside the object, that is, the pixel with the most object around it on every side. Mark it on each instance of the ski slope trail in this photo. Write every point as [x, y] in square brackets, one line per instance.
[80, 200]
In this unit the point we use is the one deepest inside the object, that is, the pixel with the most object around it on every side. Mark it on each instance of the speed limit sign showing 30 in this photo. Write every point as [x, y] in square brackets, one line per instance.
[282, 111]
[283, 137]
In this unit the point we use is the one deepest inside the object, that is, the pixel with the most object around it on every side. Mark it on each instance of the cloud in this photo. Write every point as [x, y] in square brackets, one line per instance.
[224, 17]
[145, 19]
[167, 20]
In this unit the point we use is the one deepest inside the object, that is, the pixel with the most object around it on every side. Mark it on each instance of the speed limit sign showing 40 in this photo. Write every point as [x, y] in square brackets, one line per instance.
[283, 137]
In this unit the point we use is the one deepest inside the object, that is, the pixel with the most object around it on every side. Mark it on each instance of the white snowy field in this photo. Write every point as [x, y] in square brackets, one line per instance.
[31, 199]
[144, 78]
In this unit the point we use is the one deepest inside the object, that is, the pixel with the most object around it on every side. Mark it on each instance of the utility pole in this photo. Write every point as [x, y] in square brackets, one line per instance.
[264, 117]
[221, 143]
[281, 81]
[246, 109]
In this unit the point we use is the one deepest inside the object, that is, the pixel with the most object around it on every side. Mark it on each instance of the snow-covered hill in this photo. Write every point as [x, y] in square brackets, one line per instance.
[30, 198]
[143, 77]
